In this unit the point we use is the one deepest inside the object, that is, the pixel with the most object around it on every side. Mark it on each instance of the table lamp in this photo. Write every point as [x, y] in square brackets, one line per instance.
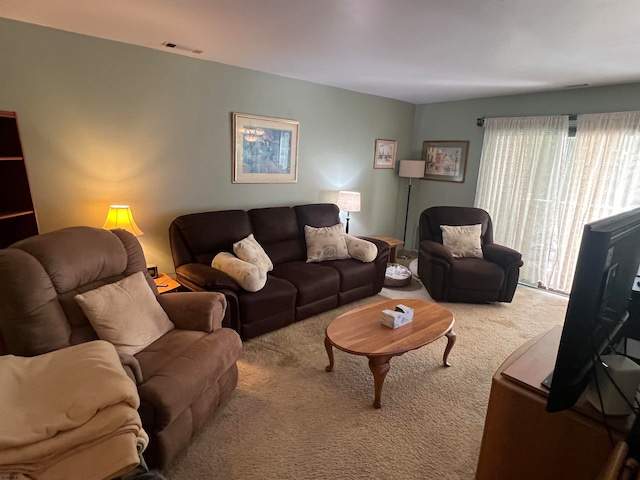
[409, 169]
[120, 216]
[348, 202]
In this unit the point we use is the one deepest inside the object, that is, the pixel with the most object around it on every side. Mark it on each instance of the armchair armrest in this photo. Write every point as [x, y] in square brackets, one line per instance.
[504, 256]
[435, 250]
[203, 311]
[206, 278]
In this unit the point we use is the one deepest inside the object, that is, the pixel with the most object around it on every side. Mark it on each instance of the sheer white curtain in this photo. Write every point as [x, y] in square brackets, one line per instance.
[517, 185]
[601, 177]
[541, 187]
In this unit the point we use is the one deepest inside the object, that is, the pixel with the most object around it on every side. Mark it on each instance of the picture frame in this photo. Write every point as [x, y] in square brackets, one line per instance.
[385, 153]
[265, 149]
[445, 160]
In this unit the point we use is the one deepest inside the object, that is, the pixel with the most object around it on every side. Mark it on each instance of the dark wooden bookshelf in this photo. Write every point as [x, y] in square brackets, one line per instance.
[17, 215]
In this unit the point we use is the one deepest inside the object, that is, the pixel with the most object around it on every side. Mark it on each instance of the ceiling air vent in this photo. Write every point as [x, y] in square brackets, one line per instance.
[184, 48]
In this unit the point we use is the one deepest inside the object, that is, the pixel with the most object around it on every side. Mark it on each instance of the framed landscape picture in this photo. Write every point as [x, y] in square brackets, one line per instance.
[385, 154]
[265, 149]
[445, 160]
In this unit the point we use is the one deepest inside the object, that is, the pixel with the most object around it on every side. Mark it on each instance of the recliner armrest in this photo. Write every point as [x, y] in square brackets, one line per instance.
[205, 277]
[504, 256]
[436, 250]
[203, 311]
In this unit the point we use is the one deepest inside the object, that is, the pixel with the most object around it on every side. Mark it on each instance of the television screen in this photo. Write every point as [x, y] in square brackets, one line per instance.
[598, 305]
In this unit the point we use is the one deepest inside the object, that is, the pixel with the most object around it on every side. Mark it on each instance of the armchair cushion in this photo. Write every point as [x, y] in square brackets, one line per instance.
[325, 243]
[126, 313]
[463, 240]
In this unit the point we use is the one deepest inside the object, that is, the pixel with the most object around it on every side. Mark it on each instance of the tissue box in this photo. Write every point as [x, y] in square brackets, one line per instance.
[398, 317]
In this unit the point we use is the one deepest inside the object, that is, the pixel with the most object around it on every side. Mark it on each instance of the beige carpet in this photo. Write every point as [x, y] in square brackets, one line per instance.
[289, 419]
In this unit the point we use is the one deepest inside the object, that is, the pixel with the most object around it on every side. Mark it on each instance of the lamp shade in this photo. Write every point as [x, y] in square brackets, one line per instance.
[411, 168]
[349, 201]
[120, 216]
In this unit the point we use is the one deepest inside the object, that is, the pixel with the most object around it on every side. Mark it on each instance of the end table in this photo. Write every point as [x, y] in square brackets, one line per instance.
[166, 284]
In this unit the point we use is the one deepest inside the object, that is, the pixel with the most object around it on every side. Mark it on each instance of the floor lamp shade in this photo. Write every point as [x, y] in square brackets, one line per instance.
[409, 169]
[348, 202]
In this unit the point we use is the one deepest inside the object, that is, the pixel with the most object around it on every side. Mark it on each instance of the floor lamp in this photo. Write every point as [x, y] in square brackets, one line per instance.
[409, 169]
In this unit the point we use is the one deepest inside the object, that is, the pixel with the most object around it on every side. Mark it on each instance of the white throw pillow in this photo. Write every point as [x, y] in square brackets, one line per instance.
[126, 313]
[325, 243]
[463, 240]
[248, 276]
[361, 249]
[249, 250]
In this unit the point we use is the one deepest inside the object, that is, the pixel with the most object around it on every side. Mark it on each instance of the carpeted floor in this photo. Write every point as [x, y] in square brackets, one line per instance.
[289, 419]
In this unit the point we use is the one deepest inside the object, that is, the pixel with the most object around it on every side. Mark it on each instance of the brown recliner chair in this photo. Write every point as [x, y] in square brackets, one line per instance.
[493, 278]
[182, 377]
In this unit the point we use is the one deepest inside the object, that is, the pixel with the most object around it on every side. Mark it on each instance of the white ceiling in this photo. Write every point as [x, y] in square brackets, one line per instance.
[420, 51]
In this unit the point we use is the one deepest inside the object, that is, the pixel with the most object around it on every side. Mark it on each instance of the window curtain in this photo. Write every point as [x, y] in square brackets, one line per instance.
[541, 186]
[519, 172]
[600, 177]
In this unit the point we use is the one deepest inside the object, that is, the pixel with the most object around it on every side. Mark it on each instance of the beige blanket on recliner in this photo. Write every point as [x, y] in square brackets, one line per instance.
[69, 414]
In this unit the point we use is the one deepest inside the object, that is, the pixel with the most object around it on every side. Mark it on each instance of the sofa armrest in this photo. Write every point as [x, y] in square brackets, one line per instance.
[200, 277]
[203, 311]
[504, 256]
[435, 250]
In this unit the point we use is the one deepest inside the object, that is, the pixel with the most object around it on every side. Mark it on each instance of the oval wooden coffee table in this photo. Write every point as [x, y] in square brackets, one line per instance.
[360, 332]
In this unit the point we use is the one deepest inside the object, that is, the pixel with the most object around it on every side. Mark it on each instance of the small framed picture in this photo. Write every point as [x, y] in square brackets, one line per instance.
[445, 160]
[385, 154]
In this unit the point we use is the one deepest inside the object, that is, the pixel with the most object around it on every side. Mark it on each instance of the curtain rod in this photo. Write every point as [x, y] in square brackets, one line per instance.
[480, 121]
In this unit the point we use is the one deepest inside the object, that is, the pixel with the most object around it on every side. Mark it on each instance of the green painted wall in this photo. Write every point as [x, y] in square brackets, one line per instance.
[104, 122]
[457, 121]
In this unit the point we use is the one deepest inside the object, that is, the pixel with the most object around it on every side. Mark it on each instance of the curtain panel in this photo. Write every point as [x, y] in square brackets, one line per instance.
[541, 186]
[517, 185]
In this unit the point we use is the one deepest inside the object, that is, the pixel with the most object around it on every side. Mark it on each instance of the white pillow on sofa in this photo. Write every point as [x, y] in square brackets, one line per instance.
[249, 250]
[361, 249]
[325, 243]
[248, 276]
[463, 240]
[126, 313]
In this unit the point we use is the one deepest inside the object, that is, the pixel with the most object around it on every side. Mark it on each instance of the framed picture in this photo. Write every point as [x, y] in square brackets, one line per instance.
[385, 155]
[445, 160]
[265, 149]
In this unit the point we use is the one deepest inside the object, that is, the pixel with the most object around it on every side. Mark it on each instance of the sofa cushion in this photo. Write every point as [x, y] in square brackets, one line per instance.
[248, 276]
[249, 250]
[126, 313]
[463, 240]
[313, 282]
[361, 249]
[353, 273]
[325, 243]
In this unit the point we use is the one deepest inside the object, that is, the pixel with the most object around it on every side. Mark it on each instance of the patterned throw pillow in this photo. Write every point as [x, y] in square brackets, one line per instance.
[249, 250]
[325, 243]
[248, 276]
[463, 241]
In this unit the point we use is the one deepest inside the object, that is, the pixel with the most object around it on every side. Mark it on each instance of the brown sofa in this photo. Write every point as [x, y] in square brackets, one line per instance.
[493, 278]
[182, 377]
[295, 289]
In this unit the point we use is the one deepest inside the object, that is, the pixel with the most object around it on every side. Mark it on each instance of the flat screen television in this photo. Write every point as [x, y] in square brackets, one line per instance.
[598, 304]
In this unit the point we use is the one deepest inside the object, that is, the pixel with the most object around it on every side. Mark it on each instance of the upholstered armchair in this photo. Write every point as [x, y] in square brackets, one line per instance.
[468, 268]
[79, 284]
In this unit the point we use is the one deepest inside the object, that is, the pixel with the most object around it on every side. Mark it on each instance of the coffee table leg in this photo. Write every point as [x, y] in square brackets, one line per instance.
[379, 367]
[451, 340]
[329, 347]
